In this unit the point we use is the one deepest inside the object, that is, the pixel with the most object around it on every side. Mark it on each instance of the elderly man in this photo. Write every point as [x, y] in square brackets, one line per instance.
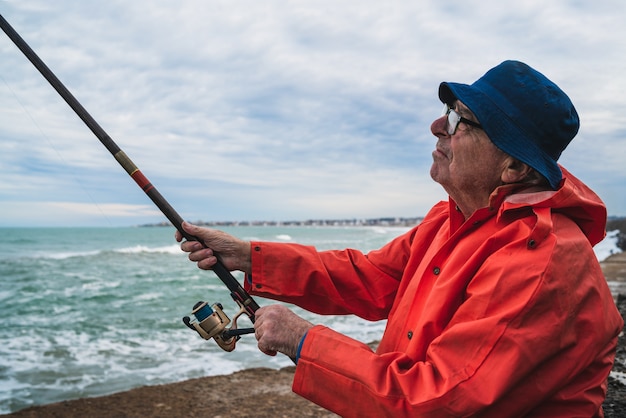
[495, 303]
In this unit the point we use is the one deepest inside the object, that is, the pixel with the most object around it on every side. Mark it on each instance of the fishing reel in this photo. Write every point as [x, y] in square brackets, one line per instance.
[212, 322]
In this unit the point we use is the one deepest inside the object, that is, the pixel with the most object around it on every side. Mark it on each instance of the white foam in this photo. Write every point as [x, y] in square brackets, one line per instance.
[69, 254]
[607, 246]
[6, 295]
[99, 285]
[138, 249]
[149, 296]
[619, 376]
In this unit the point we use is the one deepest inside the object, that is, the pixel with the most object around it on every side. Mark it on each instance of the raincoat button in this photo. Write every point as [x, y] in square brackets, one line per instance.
[257, 248]
[436, 270]
[531, 243]
[409, 334]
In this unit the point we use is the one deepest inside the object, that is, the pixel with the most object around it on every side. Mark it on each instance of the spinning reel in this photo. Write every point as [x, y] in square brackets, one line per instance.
[211, 322]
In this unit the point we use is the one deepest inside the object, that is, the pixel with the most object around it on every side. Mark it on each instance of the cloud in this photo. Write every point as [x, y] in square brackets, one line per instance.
[108, 209]
[232, 107]
[40, 213]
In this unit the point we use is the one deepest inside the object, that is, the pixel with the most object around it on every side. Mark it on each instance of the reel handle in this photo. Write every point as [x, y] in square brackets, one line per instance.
[211, 322]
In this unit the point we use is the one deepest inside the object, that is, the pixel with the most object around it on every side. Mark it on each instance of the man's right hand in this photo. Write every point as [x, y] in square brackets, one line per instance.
[233, 252]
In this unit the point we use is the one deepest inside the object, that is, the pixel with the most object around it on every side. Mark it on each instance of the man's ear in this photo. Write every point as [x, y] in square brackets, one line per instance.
[514, 171]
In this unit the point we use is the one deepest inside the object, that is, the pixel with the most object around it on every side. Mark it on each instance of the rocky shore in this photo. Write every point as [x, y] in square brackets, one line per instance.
[614, 269]
[267, 393]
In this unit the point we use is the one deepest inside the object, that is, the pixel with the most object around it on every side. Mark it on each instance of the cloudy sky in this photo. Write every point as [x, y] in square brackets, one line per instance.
[280, 110]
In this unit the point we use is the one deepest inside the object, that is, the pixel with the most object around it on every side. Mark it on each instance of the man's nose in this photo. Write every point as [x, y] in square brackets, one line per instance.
[439, 126]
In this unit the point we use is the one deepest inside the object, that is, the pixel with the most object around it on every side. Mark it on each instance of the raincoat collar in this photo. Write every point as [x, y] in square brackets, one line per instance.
[573, 199]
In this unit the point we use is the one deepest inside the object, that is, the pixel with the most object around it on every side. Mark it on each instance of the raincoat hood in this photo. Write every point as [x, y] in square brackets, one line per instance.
[573, 199]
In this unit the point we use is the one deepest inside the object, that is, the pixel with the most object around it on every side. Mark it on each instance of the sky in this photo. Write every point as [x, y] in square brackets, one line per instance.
[280, 110]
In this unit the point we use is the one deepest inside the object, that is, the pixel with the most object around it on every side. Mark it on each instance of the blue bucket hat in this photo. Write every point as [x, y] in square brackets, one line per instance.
[522, 112]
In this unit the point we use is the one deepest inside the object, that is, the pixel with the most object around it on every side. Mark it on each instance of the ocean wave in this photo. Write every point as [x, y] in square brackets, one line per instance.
[136, 249]
[69, 254]
[72, 364]
[607, 246]
[148, 297]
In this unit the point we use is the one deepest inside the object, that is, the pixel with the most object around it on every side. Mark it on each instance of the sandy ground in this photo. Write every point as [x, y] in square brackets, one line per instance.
[614, 267]
[249, 393]
[263, 392]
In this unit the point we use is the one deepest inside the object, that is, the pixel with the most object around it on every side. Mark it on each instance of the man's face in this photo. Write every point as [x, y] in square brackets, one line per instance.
[467, 164]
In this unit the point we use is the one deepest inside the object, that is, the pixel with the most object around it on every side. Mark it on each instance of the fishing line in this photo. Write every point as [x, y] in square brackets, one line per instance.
[58, 153]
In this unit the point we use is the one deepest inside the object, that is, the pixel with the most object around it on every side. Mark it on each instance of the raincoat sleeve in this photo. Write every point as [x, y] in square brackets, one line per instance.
[490, 354]
[330, 282]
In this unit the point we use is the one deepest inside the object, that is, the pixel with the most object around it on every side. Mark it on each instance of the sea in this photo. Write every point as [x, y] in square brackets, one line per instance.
[92, 311]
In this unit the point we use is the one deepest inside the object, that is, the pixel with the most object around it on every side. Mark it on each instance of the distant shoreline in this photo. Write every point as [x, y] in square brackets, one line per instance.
[613, 222]
[383, 222]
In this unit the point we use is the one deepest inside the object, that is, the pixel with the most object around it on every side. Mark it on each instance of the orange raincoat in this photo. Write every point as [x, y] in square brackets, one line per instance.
[505, 314]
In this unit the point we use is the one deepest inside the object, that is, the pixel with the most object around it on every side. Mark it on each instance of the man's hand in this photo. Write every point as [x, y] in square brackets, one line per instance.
[278, 329]
[233, 252]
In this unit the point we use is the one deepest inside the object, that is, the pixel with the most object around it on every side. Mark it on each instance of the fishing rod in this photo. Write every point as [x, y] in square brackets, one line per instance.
[208, 321]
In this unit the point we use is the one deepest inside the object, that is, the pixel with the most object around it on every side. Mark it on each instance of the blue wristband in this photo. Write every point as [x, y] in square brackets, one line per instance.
[300, 347]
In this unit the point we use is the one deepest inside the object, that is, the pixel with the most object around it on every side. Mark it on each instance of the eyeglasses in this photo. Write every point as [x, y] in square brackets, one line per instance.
[454, 119]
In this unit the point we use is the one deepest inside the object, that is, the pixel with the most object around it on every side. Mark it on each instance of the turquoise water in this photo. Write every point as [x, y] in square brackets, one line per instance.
[92, 311]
